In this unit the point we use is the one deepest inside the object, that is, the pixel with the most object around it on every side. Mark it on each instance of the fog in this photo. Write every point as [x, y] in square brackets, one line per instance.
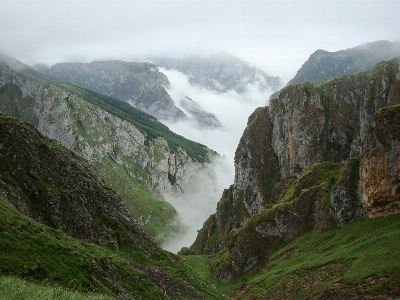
[277, 36]
[202, 192]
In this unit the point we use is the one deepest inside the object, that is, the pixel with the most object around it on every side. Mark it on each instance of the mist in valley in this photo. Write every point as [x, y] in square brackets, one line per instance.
[202, 192]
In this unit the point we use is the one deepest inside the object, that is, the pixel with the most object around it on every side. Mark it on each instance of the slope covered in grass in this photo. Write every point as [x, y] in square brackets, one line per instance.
[361, 258]
[12, 287]
[358, 260]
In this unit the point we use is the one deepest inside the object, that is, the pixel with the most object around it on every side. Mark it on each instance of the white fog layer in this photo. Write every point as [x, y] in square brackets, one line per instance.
[202, 193]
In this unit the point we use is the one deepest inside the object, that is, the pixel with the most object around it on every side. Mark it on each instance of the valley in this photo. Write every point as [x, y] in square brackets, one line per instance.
[180, 179]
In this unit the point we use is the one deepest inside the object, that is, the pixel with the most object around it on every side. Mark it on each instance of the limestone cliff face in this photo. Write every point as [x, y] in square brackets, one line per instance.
[132, 161]
[93, 132]
[322, 155]
[139, 83]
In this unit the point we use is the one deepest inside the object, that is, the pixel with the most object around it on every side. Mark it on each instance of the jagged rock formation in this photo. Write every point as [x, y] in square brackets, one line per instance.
[139, 83]
[204, 118]
[58, 188]
[320, 156]
[219, 71]
[324, 64]
[134, 153]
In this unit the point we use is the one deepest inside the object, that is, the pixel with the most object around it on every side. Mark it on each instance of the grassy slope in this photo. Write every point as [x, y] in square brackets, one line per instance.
[38, 253]
[362, 257]
[359, 258]
[18, 289]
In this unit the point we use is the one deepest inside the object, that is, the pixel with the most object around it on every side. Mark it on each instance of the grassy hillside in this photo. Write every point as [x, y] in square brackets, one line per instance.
[19, 289]
[54, 262]
[361, 258]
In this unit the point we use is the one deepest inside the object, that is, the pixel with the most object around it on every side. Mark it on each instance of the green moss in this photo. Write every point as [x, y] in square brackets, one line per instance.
[81, 128]
[146, 206]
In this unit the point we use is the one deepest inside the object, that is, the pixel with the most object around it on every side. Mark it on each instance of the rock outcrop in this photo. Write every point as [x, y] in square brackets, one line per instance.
[320, 156]
[55, 186]
[139, 83]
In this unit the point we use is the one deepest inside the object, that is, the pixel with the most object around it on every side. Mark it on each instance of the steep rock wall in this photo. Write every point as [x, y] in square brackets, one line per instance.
[336, 146]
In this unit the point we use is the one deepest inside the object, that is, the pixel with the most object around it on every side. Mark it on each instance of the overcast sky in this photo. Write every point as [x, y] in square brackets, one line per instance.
[276, 35]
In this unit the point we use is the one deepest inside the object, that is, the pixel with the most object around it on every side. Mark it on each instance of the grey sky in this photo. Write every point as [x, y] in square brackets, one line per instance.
[276, 35]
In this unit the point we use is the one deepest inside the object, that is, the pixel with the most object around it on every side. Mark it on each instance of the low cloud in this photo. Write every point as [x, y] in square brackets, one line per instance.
[203, 191]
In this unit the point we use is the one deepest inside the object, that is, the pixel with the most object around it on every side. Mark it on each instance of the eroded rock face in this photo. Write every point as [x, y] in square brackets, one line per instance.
[92, 132]
[335, 148]
[380, 165]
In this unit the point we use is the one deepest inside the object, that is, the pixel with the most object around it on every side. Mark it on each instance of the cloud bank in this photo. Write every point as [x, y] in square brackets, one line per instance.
[202, 192]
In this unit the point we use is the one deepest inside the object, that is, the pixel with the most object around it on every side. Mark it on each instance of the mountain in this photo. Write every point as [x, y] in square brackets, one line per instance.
[134, 154]
[138, 83]
[204, 118]
[65, 227]
[321, 156]
[324, 64]
[219, 72]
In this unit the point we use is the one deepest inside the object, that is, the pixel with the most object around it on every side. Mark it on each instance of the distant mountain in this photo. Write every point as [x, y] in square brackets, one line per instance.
[219, 71]
[324, 64]
[203, 117]
[138, 83]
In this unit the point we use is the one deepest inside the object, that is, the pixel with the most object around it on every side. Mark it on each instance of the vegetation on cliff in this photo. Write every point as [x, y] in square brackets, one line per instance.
[71, 230]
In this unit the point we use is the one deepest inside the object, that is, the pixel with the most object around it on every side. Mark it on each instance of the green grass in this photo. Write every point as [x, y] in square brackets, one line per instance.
[37, 252]
[145, 205]
[200, 265]
[352, 256]
[54, 262]
[12, 287]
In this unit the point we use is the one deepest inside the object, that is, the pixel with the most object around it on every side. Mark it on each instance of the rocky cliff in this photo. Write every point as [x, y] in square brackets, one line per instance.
[320, 156]
[139, 83]
[135, 154]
